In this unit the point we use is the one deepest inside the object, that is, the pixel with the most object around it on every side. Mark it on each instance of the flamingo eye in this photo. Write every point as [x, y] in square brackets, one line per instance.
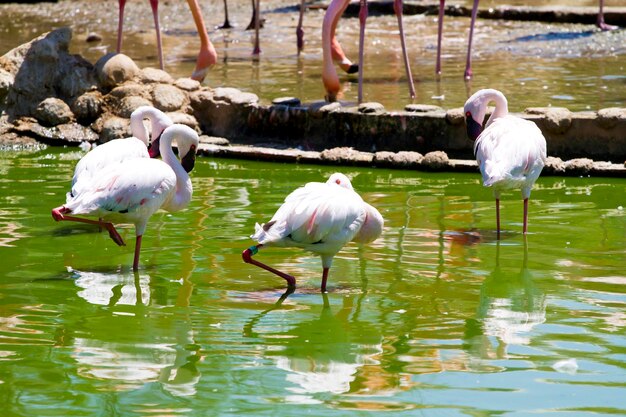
[338, 181]
[468, 114]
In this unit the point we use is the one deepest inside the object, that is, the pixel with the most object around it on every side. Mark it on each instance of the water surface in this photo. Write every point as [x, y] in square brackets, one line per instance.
[435, 318]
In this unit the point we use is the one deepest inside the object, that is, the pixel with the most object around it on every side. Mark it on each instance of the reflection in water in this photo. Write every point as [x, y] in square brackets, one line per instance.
[510, 306]
[119, 288]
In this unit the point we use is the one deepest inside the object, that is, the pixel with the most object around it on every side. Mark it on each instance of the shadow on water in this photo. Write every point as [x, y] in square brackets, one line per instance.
[554, 36]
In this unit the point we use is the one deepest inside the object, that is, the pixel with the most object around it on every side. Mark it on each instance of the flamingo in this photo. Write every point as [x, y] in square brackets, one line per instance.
[468, 62]
[332, 51]
[207, 57]
[600, 22]
[119, 150]
[320, 218]
[510, 151]
[131, 191]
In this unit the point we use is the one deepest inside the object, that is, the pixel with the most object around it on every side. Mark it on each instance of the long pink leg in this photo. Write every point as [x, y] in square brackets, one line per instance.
[137, 250]
[600, 22]
[468, 64]
[299, 30]
[253, 250]
[397, 6]
[207, 57]
[324, 279]
[154, 4]
[442, 6]
[525, 215]
[257, 24]
[362, 20]
[498, 217]
[120, 24]
[59, 214]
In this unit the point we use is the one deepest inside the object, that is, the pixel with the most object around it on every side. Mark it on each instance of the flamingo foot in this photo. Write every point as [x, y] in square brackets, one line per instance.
[468, 74]
[253, 250]
[57, 213]
[604, 27]
[114, 235]
[226, 25]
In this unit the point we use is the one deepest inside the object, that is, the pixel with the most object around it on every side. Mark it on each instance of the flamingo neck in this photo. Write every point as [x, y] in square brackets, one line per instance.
[183, 190]
[502, 106]
[372, 226]
[138, 129]
[158, 122]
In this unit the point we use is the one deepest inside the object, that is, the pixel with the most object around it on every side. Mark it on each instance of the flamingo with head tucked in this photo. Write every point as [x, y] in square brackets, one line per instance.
[510, 151]
[207, 57]
[133, 190]
[321, 218]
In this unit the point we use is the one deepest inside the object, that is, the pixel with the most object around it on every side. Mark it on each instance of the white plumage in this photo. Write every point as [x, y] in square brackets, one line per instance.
[510, 151]
[132, 190]
[321, 218]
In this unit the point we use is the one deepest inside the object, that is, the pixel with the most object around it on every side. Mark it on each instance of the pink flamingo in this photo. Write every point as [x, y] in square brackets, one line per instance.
[510, 151]
[133, 190]
[468, 62]
[332, 51]
[321, 218]
[207, 57]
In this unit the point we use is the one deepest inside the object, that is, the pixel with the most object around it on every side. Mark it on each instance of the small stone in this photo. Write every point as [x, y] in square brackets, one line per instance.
[155, 75]
[435, 160]
[579, 165]
[214, 140]
[287, 101]
[128, 105]
[609, 117]
[168, 98]
[329, 108]
[87, 107]
[184, 119]
[371, 108]
[234, 96]
[398, 159]
[187, 84]
[114, 128]
[114, 69]
[346, 155]
[554, 165]
[455, 116]
[555, 119]
[93, 37]
[422, 108]
[53, 111]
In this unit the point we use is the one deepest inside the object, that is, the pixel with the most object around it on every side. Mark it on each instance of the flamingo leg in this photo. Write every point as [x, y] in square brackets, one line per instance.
[154, 4]
[120, 24]
[207, 57]
[468, 64]
[59, 214]
[397, 7]
[299, 30]
[137, 251]
[253, 17]
[442, 5]
[247, 258]
[525, 215]
[362, 19]
[226, 24]
[257, 24]
[600, 22]
[498, 217]
[324, 279]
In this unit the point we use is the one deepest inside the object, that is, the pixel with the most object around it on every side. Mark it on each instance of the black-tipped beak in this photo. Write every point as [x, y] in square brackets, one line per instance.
[474, 129]
[189, 160]
[153, 149]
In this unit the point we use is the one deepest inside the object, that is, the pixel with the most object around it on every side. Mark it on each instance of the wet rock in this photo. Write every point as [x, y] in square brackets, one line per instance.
[435, 160]
[214, 140]
[422, 108]
[53, 111]
[6, 81]
[201, 100]
[154, 75]
[323, 108]
[555, 119]
[346, 155]
[579, 165]
[287, 101]
[187, 84]
[112, 128]
[184, 119]
[88, 107]
[168, 98]
[128, 104]
[72, 133]
[234, 96]
[608, 118]
[129, 89]
[554, 165]
[455, 116]
[371, 108]
[114, 69]
[404, 159]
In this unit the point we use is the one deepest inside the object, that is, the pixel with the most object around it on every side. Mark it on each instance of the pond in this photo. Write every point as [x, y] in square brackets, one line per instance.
[533, 63]
[435, 318]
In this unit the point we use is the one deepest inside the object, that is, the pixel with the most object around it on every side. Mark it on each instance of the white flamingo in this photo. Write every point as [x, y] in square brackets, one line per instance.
[510, 151]
[321, 218]
[118, 150]
[131, 191]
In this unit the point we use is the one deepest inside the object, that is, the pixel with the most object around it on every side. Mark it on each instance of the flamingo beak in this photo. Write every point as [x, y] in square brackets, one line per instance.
[153, 149]
[474, 129]
[189, 160]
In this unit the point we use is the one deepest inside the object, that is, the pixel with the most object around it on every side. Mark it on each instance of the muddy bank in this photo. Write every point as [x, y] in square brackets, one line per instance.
[50, 96]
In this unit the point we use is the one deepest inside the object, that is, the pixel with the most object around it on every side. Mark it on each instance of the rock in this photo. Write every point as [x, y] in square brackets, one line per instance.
[214, 140]
[287, 101]
[168, 98]
[114, 69]
[234, 96]
[129, 89]
[327, 108]
[371, 108]
[554, 165]
[113, 128]
[346, 155]
[128, 105]
[579, 165]
[184, 119]
[155, 75]
[555, 119]
[71, 133]
[187, 84]
[455, 116]
[93, 37]
[422, 108]
[404, 159]
[201, 100]
[88, 107]
[609, 117]
[435, 160]
[53, 111]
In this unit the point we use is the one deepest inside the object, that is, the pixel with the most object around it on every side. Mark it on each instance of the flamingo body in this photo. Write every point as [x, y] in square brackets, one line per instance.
[321, 218]
[510, 151]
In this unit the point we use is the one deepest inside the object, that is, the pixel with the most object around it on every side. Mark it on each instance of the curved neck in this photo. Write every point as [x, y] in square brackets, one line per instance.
[138, 129]
[158, 122]
[502, 106]
[183, 191]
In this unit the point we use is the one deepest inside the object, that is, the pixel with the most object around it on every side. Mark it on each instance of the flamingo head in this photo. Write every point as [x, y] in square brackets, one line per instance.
[153, 148]
[188, 160]
[341, 180]
[474, 110]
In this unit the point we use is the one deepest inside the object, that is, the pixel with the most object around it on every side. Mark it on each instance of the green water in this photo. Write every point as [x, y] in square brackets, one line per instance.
[433, 319]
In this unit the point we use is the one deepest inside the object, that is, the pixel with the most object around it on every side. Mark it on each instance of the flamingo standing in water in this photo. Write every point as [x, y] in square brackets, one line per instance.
[510, 151]
[600, 22]
[119, 150]
[332, 51]
[321, 218]
[207, 57]
[131, 191]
